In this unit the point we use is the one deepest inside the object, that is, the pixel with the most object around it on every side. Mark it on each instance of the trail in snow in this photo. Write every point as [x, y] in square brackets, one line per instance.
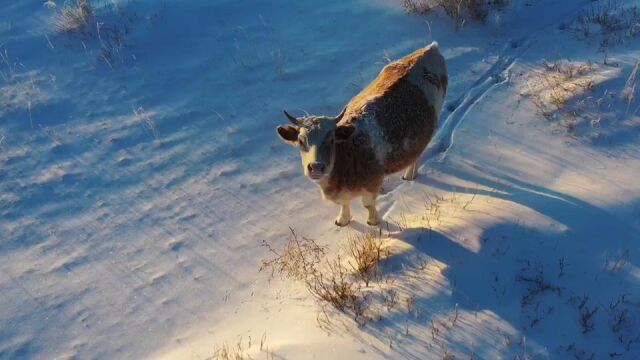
[458, 109]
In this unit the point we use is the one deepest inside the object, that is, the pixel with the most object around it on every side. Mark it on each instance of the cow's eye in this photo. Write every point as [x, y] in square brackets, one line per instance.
[302, 145]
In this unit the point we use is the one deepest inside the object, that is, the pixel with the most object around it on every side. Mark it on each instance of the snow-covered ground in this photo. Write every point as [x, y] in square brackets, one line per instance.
[140, 173]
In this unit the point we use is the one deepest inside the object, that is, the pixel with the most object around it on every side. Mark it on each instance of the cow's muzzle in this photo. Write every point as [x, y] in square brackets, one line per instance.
[316, 170]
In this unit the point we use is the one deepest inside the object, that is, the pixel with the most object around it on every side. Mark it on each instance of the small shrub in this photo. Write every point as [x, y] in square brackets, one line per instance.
[337, 289]
[586, 318]
[537, 283]
[367, 252]
[624, 315]
[338, 282]
[327, 280]
[298, 260]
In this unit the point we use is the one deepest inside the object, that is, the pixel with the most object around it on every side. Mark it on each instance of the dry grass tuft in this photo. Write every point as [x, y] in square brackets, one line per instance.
[73, 17]
[564, 80]
[146, 118]
[241, 350]
[103, 29]
[554, 84]
[226, 352]
[629, 90]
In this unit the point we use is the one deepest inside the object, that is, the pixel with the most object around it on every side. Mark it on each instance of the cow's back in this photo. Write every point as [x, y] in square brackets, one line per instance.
[399, 109]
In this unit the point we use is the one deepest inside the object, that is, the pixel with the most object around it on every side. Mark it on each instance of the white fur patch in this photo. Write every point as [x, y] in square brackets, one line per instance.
[381, 147]
[432, 61]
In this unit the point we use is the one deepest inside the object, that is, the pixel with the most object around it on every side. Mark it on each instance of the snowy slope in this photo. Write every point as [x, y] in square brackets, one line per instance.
[136, 189]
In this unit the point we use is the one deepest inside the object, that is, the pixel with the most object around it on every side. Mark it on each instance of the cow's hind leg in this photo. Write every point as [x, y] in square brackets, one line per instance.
[411, 172]
[344, 217]
[369, 202]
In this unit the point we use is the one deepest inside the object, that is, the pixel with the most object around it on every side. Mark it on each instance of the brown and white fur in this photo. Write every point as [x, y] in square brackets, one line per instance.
[382, 130]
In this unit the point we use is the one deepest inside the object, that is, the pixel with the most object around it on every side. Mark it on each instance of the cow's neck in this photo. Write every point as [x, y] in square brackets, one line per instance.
[328, 186]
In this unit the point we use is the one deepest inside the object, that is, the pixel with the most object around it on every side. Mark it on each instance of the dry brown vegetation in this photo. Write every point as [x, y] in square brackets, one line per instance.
[609, 21]
[553, 85]
[330, 280]
[74, 17]
[558, 82]
[421, 7]
[359, 281]
[242, 350]
[335, 286]
[146, 119]
[367, 251]
[565, 94]
[461, 11]
[629, 91]
[105, 28]
[298, 260]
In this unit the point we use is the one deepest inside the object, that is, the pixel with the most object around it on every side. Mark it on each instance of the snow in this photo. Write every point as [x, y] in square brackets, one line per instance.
[136, 187]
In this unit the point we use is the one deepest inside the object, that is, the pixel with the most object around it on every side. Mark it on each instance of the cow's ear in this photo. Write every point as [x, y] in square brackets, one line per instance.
[343, 133]
[288, 134]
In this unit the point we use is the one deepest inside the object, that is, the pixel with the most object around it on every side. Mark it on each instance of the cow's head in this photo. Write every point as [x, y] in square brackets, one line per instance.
[315, 137]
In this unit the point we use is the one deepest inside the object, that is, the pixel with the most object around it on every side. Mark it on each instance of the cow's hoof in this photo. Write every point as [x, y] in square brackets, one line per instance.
[373, 223]
[338, 223]
[408, 178]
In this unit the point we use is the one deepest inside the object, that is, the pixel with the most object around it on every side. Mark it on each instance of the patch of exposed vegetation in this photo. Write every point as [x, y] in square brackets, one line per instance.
[461, 11]
[105, 27]
[367, 252]
[566, 94]
[242, 350]
[330, 280]
[609, 21]
[553, 84]
[73, 17]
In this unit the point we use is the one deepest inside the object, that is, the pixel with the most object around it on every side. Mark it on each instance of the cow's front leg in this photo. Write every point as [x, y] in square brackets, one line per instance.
[344, 217]
[411, 172]
[369, 202]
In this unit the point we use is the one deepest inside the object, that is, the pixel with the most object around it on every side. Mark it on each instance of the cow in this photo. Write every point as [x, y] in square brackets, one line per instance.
[382, 130]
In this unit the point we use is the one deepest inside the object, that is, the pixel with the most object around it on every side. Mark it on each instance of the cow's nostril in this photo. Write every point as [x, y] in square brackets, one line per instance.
[316, 167]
